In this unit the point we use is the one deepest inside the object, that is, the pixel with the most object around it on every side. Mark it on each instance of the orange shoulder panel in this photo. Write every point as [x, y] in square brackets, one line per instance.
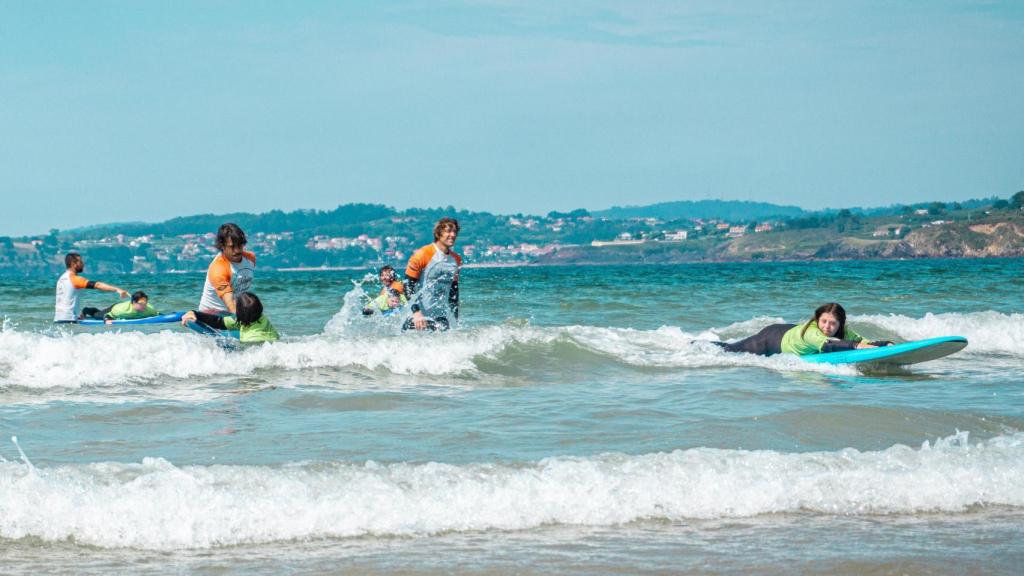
[219, 275]
[79, 281]
[419, 260]
[398, 286]
[250, 256]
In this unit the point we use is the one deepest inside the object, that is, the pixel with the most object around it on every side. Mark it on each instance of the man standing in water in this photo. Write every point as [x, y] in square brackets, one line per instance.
[230, 272]
[68, 285]
[433, 279]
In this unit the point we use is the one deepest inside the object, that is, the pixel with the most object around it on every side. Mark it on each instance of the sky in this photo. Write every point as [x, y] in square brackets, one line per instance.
[143, 111]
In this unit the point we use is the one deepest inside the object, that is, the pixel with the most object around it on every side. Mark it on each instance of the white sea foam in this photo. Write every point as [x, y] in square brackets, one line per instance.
[156, 505]
[35, 360]
[987, 331]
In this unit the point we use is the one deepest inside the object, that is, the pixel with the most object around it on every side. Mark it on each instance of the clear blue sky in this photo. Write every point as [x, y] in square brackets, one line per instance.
[119, 111]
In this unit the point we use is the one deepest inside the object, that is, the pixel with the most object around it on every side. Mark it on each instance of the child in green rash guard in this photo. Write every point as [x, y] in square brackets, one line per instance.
[137, 308]
[825, 332]
[249, 320]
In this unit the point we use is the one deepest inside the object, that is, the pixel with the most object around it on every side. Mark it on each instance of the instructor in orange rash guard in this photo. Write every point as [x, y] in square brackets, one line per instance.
[230, 272]
[433, 279]
[68, 285]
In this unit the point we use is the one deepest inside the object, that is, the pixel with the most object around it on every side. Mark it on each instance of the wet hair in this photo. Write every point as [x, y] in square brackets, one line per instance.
[443, 224]
[385, 268]
[833, 309]
[72, 259]
[230, 231]
[248, 308]
[139, 295]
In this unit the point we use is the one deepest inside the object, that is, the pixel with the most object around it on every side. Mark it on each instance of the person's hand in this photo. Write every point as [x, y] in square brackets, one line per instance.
[865, 344]
[419, 321]
[108, 321]
[187, 317]
[367, 311]
[122, 293]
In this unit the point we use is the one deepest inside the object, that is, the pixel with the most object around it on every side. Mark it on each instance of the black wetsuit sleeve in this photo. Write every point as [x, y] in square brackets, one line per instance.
[211, 320]
[411, 285]
[839, 345]
[91, 284]
[453, 299]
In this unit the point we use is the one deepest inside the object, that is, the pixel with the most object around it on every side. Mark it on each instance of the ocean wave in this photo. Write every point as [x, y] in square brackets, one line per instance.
[35, 360]
[988, 331]
[43, 360]
[157, 505]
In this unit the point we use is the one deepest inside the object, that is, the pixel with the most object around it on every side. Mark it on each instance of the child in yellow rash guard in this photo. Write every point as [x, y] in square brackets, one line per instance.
[808, 338]
[250, 322]
[137, 308]
[392, 294]
[825, 332]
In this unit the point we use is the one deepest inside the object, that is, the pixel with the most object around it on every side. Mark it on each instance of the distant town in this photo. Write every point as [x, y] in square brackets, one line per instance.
[365, 236]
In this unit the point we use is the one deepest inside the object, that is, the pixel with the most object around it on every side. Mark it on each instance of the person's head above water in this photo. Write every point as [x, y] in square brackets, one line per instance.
[387, 275]
[831, 320]
[445, 231]
[230, 241]
[74, 260]
[139, 301]
[248, 308]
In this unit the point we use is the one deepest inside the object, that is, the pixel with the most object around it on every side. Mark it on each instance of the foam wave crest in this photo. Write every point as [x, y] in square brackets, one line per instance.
[40, 361]
[35, 360]
[988, 331]
[156, 505]
[671, 347]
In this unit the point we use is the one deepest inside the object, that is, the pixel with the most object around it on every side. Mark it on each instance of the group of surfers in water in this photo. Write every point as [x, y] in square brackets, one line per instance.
[429, 296]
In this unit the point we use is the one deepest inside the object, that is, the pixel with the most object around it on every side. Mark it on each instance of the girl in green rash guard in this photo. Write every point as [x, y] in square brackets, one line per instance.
[249, 320]
[825, 332]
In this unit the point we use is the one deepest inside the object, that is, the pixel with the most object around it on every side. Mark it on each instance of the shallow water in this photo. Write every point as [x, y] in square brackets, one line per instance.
[577, 421]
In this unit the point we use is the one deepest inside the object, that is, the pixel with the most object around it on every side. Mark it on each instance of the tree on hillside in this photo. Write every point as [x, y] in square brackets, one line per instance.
[1000, 204]
[1017, 200]
[936, 208]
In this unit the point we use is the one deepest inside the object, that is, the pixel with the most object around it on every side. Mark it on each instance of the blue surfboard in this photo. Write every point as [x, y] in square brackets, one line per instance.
[895, 355]
[161, 319]
[211, 331]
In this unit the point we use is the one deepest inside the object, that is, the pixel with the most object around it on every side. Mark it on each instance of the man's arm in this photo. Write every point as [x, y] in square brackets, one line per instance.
[229, 300]
[108, 288]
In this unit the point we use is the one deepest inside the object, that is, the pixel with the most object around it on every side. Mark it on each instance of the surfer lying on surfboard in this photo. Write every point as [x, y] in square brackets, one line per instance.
[825, 332]
[137, 308]
[249, 320]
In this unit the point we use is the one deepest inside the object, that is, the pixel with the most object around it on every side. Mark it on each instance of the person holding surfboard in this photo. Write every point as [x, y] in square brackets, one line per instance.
[68, 285]
[249, 320]
[230, 272]
[823, 333]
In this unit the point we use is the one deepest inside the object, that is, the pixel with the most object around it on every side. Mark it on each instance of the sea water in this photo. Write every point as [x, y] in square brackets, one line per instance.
[578, 420]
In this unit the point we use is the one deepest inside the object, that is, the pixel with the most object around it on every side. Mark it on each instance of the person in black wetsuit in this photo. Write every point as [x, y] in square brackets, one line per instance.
[825, 332]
